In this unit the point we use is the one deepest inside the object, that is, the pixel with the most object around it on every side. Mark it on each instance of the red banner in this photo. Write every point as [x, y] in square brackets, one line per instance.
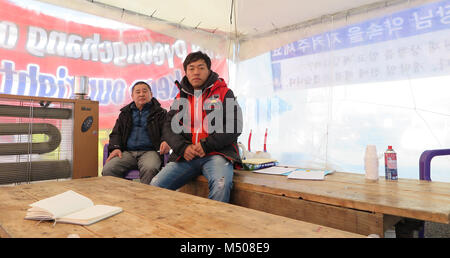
[40, 54]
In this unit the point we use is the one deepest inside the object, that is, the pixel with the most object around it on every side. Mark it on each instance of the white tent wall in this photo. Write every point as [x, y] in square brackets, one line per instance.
[213, 41]
[315, 22]
[259, 25]
[318, 118]
[315, 116]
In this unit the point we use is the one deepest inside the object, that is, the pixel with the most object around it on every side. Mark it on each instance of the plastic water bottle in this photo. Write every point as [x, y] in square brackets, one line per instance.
[371, 163]
[390, 164]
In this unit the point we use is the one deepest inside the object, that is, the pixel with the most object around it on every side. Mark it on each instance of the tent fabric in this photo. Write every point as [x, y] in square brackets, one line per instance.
[250, 26]
[323, 86]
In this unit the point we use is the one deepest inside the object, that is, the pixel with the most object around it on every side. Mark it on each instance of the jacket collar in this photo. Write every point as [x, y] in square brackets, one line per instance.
[186, 86]
[154, 104]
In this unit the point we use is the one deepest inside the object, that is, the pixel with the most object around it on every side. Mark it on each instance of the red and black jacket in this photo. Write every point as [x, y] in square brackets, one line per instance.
[191, 113]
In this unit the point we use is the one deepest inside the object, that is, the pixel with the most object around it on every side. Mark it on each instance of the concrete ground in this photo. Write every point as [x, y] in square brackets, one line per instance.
[436, 230]
[432, 230]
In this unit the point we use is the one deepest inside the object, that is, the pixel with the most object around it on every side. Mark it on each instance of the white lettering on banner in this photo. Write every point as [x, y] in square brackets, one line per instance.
[444, 13]
[318, 41]
[73, 48]
[41, 43]
[180, 49]
[56, 43]
[36, 41]
[302, 45]
[106, 52]
[289, 48]
[374, 30]
[169, 53]
[164, 88]
[333, 39]
[90, 46]
[134, 53]
[158, 54]
[277, 52]
[146, 53]
[355, 34]
[394, 24]
[9, 35]
[120, 53]
[423, 22]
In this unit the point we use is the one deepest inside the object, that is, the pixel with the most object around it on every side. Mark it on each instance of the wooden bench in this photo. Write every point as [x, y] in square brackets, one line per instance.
[343, 201]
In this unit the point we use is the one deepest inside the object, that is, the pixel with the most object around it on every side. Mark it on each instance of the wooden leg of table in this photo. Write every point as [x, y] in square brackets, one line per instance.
[389, 222]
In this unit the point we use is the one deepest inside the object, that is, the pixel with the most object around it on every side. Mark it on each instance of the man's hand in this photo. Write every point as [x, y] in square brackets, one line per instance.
[164, 148]
[199, 149]
[190, 153]
[114, 153]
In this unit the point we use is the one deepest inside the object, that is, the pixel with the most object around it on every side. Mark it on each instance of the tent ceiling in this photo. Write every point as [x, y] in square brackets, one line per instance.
[212, 21]
[252, 16]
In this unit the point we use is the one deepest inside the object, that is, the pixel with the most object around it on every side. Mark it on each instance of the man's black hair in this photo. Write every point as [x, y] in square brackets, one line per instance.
[195, 56]
[141, 82]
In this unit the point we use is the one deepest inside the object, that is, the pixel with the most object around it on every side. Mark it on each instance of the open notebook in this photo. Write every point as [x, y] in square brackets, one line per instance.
[70, 207]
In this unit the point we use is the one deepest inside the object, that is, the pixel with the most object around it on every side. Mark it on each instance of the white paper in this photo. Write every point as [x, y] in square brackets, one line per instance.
[91, 214]
[307, 175]
[276, 170]
[64, 203]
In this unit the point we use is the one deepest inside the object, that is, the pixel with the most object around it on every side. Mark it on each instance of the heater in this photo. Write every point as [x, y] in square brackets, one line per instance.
[47, 138]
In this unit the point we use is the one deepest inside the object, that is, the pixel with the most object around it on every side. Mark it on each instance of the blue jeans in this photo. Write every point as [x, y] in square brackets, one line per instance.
[217, 170]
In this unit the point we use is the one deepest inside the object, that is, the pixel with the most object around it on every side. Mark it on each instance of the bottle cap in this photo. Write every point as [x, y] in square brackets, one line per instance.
[389, 147]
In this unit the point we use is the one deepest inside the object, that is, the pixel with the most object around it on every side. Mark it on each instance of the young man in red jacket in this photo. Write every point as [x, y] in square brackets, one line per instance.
[202, 128]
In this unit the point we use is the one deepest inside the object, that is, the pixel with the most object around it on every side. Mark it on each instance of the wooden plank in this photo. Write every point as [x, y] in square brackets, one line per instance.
[383, 197]
[416, 199]
[150, 212]
[359, 222]
[355, 221]
[235, 222]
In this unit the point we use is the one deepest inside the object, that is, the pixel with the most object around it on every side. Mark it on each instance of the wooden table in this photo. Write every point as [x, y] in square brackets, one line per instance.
[343, 200]
[148, 212]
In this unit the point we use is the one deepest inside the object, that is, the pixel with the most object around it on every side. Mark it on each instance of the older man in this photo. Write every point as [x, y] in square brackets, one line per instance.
[135, 141]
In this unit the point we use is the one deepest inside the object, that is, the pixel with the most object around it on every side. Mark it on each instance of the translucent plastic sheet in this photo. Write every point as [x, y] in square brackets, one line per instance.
[380, 77]
[383, 81]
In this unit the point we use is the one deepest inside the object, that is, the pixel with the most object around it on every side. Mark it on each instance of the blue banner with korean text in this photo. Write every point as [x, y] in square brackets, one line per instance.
[420, 20]
[399, 46]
